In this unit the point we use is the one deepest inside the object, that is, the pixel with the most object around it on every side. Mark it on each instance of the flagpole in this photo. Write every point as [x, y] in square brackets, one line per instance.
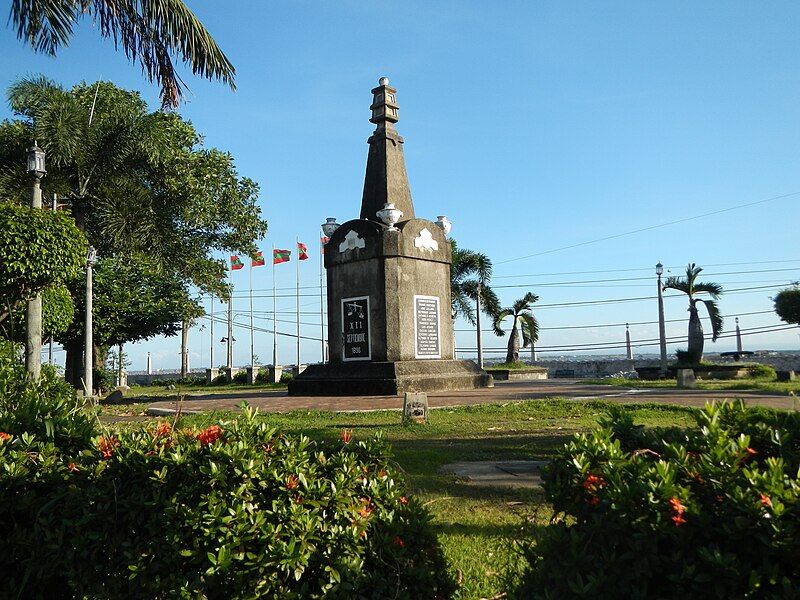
[252, 342]
[321, 305]
[274, 317]
[297, 298]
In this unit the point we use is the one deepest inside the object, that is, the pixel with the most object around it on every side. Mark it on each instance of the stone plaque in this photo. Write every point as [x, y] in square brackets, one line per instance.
[355, 329]
[426, 327]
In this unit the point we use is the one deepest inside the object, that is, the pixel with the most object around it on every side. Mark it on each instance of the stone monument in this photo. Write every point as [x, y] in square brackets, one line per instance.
[390, 328]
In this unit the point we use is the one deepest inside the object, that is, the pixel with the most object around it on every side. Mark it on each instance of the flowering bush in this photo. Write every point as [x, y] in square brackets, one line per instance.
[669, 513]
[236, 510]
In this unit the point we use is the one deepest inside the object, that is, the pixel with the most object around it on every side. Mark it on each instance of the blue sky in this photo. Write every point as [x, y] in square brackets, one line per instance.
[532, 126]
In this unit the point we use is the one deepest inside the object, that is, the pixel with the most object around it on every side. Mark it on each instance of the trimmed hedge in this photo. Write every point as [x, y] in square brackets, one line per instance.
[236, 510]
[711, 511]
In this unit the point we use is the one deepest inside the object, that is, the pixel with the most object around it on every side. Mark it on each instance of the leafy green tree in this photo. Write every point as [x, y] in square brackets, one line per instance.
[150, 33]
[39, 250]
[58, 311]
[469, 272]
[691, 287]
[523, 314]
[136, 182]
[133, 300]
[787, 304]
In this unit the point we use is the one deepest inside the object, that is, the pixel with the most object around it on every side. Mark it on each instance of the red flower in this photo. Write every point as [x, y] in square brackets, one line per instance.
[765, 500]
[593, 483]
[106, 445]
[162, 430]
[4, 436]
[73, 467]
[347, 435]
[398, 541]
[677, 509]
[210, 434]
[751, 452]
[298, 499]
[365, 511]
[403, 500]
[291, 482]
[593, 500]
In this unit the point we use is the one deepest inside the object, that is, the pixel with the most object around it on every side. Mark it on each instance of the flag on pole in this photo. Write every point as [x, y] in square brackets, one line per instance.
[323, 240]
[258, 260]
[302, 251]
[280, 256]
[236, 263]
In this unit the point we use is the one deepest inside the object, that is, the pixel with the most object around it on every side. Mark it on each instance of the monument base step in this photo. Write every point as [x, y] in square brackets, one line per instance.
[389, 378]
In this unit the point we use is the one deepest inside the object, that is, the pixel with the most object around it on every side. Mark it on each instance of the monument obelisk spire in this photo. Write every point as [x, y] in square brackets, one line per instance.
[386, 180]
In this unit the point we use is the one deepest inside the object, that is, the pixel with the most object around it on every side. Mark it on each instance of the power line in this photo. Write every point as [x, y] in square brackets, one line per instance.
[650, 228]
[758, 312]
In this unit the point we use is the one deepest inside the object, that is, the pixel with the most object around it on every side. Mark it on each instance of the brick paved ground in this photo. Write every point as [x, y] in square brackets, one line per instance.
[280, 401]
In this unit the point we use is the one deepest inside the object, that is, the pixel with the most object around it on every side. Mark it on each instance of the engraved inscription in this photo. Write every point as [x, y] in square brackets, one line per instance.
[426, 324]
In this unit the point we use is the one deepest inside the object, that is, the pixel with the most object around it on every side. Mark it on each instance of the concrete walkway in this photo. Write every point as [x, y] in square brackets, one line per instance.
[502, 473]
[503, 392]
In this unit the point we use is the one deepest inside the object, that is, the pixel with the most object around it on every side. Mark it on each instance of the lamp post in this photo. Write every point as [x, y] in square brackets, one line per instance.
[88, 359]
[662, 337]
[33, 312]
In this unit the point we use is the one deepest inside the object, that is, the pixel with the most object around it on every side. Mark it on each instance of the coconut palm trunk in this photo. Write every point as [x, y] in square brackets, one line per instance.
[512, 355]
[696, 339]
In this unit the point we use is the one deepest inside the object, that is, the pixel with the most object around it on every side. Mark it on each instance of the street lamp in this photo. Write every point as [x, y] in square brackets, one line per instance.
[662, 337]
[33, 310]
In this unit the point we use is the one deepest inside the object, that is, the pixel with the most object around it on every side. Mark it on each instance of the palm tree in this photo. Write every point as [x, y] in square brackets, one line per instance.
[470, 273]
[521, 311]
[150, 33]
[690, 286]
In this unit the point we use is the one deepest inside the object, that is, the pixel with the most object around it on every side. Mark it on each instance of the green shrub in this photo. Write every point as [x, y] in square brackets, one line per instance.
[286, 377]
[762, 372]
[710, 511]
[47, 408]
[234, 511]
[240, 377]
[192, 380]
[220, 379]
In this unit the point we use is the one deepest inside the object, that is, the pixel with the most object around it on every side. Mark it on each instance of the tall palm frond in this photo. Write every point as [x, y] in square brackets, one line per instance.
[497, 325]
[530, 329]
[715, 317]
[712, 289]
[470, 271]
[676, 283]
[150, 32]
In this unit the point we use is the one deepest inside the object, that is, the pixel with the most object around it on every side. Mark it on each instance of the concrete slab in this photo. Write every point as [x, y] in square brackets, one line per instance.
[502, 473]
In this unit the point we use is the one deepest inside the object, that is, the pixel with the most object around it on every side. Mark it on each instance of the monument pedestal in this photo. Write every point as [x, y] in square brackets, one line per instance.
[389, 378]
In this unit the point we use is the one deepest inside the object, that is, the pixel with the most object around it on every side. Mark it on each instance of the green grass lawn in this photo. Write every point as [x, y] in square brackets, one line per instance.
[478, 528]
[749, 384]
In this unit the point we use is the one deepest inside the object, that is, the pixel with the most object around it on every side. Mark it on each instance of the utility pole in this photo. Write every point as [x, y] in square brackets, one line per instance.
[33, 312]
[662, 336]
[211, 349]
[229, 339]
[88, 359]
[184, 348]
[478, 321]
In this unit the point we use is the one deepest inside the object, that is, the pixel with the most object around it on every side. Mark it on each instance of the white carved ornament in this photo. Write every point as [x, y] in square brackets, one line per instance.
[351, 241]
[425, 241]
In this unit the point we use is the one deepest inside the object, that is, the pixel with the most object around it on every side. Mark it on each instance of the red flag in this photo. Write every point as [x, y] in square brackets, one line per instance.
[323, 240]
[236, 263]
[280, 256]
[258, 260]
[302, 251]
